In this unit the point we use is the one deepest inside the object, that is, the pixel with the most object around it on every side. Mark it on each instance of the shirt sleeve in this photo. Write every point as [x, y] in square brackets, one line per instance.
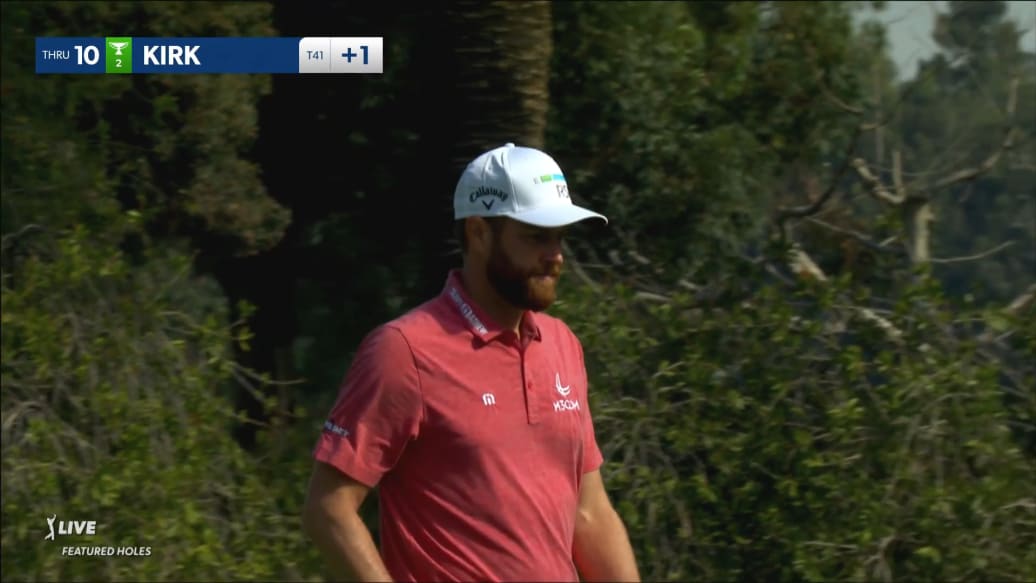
[378, 409]
[592, 457]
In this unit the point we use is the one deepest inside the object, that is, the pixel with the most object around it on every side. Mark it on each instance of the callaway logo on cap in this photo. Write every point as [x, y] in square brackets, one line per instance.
[524, 184]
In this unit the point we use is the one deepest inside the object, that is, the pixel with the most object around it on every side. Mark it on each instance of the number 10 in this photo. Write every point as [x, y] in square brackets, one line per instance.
[91, 55]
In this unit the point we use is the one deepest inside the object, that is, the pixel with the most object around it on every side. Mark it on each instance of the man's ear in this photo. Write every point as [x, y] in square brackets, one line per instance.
[478, 233]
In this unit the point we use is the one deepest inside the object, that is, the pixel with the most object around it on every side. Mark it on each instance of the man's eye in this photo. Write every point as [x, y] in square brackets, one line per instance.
[545, 238]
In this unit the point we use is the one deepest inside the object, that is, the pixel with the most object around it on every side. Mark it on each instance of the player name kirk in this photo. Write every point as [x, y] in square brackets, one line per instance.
[163, 55]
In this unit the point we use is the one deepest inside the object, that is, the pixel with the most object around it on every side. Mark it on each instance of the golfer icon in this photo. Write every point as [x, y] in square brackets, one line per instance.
[50, 524]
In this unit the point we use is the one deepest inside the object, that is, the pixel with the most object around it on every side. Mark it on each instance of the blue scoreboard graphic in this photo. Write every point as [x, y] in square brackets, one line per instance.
[136, 55]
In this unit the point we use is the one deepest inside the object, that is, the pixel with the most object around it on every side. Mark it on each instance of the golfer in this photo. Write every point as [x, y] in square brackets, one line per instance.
[470, 412]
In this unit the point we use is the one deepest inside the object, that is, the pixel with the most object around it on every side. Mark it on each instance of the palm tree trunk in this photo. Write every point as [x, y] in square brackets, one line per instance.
[502, 55]
[491, 71]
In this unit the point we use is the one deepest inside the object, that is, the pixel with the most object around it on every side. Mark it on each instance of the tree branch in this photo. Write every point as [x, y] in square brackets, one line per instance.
[860, 237]
[578, 269]
[819, 76]
[976, 171]
[1023, 300]
[897, 174]
[653, 297]
[804, 266]
[785, 213]
[877, 189]
[1008, 142]
[982, 255]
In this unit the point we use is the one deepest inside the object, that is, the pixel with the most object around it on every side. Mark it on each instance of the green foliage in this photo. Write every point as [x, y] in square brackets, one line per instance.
[627, 88]
[755, 432]
[955, 116]
[979, 30]
[114, 411]
[679, 119]
[175, 147]
[784, 436]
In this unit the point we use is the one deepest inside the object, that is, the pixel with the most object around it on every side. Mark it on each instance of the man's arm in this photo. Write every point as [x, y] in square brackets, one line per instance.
[331, 518]
[601, 548]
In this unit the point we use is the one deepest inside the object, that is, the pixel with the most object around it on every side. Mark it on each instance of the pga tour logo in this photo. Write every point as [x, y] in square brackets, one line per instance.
[67, 527]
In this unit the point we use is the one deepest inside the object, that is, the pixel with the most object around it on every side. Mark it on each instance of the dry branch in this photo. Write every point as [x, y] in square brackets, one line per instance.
[982, 255]
[783, 214]
[897, 174]
[1022, 301]
[804, 266]
[834, 99]
[1008, 142]
[653, 297]
[877, 189]
[976, 171]
[856, 236]
[578, 269]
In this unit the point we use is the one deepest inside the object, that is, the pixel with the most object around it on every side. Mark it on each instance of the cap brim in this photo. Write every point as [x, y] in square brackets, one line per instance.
[556, 216]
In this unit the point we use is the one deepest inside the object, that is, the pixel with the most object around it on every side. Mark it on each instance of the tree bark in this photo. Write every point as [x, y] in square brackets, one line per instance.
[502, 56]
[490, 70]
[917, 218]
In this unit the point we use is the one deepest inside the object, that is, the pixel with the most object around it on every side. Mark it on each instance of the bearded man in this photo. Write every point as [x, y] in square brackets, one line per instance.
[470, 415]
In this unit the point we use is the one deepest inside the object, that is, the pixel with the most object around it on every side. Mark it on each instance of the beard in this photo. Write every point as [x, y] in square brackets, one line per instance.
[519, 286]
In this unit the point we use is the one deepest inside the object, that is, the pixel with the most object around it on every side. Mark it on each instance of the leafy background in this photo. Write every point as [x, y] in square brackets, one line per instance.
[780, 393]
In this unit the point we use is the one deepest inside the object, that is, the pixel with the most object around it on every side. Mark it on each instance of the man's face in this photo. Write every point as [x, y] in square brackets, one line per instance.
[524, 264]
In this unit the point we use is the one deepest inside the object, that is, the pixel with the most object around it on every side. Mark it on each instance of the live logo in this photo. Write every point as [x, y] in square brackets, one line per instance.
[77, 527]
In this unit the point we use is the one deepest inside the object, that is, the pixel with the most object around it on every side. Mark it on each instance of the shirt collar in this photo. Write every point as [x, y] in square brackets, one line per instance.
[475, 319]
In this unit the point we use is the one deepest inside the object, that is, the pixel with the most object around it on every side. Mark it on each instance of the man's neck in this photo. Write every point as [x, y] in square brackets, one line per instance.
[503, 313]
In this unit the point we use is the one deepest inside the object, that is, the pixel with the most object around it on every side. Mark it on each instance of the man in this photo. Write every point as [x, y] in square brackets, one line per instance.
[470, 412]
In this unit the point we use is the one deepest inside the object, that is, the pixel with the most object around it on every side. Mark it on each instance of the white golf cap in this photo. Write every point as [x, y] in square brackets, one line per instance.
[524, 184]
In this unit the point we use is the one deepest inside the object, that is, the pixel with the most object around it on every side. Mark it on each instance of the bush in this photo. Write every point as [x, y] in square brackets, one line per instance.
[114, 410]
[783, 436]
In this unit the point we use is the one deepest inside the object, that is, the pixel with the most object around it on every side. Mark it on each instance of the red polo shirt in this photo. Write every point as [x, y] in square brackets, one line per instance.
[478, 441]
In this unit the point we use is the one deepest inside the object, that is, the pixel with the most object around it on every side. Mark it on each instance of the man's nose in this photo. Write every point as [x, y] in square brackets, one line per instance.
[555, 253]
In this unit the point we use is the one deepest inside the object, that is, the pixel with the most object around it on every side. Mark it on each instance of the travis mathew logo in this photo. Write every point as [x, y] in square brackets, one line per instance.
[58, 528]
[487, 191]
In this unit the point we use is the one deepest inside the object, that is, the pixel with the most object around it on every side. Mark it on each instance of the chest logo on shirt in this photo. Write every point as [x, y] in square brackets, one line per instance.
[564, 404]
[557, 383]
